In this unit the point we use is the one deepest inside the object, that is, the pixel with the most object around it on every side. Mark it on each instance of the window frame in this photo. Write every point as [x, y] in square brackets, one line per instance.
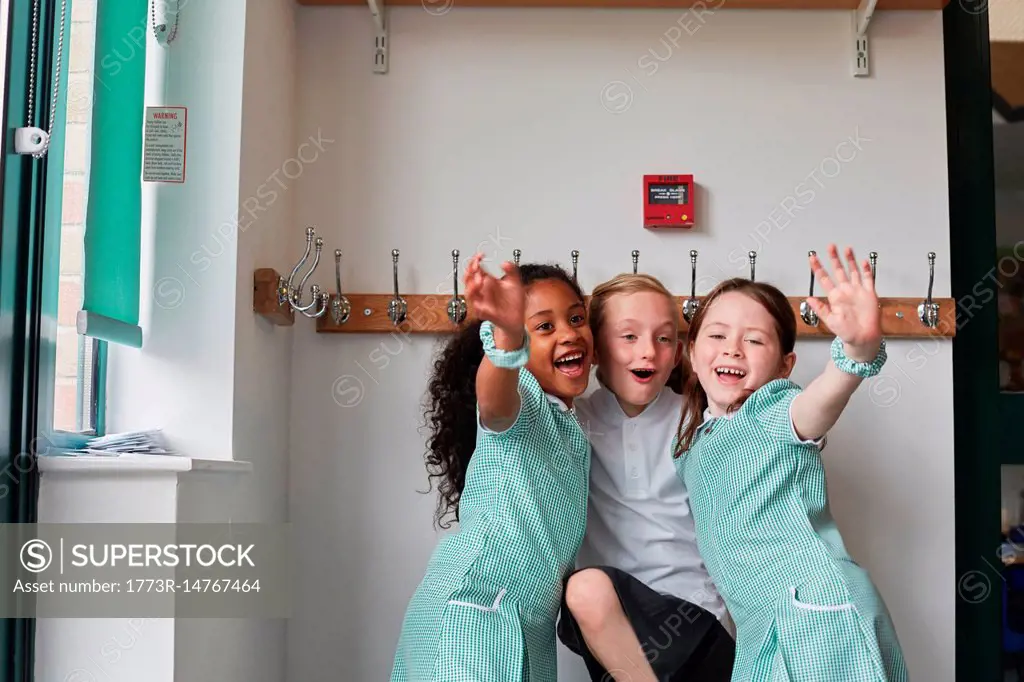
[62, 438]
[22, 322]
[976, 400]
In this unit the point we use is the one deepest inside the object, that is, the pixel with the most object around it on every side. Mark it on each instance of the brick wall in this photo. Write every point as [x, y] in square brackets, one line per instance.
[76, 162]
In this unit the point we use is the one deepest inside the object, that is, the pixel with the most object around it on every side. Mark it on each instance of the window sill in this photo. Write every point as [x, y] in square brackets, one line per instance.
[139, 463]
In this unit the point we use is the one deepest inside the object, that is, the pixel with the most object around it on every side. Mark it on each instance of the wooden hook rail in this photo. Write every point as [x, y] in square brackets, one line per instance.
[428, 314]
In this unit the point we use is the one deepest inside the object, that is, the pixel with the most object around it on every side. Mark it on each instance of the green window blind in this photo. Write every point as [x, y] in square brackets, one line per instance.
[110, 310]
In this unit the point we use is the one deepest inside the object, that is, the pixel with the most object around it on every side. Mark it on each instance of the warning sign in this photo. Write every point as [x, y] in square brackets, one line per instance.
[163, 157]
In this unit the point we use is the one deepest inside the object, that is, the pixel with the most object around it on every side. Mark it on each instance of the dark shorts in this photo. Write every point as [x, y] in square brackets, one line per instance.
[681, 641]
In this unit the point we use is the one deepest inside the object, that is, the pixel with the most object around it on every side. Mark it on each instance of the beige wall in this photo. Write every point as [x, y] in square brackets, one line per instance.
[1006, 20]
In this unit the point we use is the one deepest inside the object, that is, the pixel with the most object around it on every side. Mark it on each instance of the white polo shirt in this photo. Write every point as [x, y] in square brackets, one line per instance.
[639, 514]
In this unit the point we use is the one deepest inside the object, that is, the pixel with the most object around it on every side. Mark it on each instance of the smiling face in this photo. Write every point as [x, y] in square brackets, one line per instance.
[637, 347]
[737, 350]
[561, 344]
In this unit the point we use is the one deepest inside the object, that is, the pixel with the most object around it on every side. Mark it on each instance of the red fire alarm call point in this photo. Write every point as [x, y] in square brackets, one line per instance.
[668, 201]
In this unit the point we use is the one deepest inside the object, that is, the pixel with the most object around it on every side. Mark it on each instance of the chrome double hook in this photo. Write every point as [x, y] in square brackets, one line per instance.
[752, 255]
[516, 253]
[340, 307]
[290, 294]
[691, 305]
[397, 307]
[575, 263]
[456, 304]
[636, 259]
[809, 317]
[928, 310]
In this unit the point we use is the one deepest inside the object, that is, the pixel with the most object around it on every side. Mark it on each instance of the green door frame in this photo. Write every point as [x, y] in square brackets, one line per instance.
[22, 216]
[978, 587]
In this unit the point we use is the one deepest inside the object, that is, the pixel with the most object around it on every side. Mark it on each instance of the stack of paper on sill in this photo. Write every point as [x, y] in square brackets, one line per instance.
[128, 443]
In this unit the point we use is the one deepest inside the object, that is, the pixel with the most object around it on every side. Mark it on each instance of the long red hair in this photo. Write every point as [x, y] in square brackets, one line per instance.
[695, 400]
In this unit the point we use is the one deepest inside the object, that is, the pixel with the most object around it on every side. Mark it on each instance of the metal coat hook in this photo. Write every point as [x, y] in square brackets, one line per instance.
[340, 307]
[515, 256]
[575, 262]
[928, 310]
[397, 307]
[320, 301]
[753, 259]
[691, 305]
[873, 257]
[636, 259]
[806, 314]
[288, 293]
[457, 304]
[323, 298]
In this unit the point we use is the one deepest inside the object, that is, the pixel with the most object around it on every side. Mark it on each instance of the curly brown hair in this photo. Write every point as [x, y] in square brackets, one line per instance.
[451, 409]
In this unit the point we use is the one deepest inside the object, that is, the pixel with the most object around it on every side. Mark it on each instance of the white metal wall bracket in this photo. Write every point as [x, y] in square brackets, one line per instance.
[380, 39]
[861, 20]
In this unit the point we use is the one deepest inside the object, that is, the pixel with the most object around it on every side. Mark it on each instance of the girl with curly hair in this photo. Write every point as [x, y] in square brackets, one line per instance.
[513, 466]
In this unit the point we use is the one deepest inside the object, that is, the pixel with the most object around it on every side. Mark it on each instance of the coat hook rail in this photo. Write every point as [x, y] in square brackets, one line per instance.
[428, 314]
[378, 313]
[265, 301]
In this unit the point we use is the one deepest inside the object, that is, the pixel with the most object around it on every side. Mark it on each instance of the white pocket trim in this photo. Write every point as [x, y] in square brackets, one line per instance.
[490, 609]
[816, 607]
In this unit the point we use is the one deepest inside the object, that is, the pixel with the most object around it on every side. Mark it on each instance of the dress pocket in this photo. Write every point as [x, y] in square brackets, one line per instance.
[823, 608]
[823, 639]
[481, 641]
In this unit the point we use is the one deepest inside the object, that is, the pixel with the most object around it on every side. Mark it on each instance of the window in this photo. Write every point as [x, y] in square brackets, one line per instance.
[78, 375]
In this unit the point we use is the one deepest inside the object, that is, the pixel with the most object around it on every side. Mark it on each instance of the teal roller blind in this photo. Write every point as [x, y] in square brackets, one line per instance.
[114, 215]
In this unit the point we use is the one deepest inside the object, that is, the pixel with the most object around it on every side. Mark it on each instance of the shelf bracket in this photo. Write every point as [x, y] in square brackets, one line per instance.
[861, 20]
[380, 39]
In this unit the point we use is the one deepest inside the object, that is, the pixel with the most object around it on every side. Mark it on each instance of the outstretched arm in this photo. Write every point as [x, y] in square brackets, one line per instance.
[852, 314]
[502, 301]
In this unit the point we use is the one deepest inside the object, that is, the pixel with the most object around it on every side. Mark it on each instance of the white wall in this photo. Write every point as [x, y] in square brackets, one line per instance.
[531, 129]
[246, 649]
[109, 649]
[182, 379]
[262, 352]
[211, 374]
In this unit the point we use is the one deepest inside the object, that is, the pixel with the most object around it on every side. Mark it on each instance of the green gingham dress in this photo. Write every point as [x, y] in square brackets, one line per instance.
[486, 609]
[804, 611]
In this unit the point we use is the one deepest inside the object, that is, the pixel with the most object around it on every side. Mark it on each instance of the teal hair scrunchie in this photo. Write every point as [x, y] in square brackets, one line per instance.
[505, 359]
[860, 369]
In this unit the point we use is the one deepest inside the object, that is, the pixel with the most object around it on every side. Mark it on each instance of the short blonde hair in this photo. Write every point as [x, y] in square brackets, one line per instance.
[627, 284]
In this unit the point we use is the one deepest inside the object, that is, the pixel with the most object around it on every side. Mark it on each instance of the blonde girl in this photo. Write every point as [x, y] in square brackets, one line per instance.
[642, 608]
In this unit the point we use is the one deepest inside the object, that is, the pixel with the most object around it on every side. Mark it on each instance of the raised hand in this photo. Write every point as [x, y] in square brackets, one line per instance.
[502, 301]
[852, 311]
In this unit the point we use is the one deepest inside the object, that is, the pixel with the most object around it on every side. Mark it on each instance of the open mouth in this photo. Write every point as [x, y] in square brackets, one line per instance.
[643, 375]
[729, 375]
[571, 364]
